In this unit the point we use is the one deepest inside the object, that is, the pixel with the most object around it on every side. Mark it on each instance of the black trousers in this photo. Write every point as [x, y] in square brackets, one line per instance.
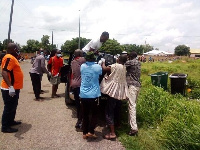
[78, 104]
[10, 107]
[113, 108]
[36, 82]
[89, 105]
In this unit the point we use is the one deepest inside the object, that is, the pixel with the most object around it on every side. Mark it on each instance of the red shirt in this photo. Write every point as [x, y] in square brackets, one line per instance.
[56, 64]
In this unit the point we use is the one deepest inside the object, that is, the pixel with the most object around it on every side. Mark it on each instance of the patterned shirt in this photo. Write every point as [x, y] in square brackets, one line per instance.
[133, 68]
[90, 73]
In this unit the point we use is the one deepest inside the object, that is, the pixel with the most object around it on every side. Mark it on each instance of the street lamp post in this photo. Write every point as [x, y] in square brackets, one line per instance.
[79, 42]
[11, 13]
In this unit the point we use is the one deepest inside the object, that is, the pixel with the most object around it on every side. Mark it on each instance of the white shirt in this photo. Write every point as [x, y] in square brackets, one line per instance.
[94, 44]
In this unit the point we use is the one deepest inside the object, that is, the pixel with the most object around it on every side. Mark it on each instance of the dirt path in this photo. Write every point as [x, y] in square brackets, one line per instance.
[48, 124]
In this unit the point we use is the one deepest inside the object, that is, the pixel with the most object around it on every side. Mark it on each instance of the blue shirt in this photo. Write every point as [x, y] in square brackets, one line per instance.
[90, 80]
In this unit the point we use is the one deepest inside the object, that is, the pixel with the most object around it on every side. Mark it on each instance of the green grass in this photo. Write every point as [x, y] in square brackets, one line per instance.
[165, 121]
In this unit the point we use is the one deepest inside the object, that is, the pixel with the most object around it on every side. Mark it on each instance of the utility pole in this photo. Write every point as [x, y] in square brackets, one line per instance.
[52, 39]
[11, 13]
[79, 42]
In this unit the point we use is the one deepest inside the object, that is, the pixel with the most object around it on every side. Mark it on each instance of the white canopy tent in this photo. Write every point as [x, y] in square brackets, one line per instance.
[158, 53]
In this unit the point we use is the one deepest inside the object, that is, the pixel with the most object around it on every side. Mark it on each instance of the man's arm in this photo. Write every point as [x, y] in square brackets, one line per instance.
[106, 69]
[43, 66]
[6, 78]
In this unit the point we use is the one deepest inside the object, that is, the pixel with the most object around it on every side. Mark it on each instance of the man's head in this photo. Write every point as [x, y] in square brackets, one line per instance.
[122, 59]
[104, 37]
[41, 51]
[90, 56]
[13, 50]
[78, 53]
[132, 55]
[58, 53]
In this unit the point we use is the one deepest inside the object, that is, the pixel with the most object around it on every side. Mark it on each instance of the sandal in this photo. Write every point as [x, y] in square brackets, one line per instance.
[110, 136]
[90, 135]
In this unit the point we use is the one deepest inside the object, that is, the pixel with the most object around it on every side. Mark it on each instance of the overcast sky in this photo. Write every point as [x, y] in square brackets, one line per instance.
[163, 24]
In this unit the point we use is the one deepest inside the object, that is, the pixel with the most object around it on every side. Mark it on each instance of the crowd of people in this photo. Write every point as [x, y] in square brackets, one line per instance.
[121, 81]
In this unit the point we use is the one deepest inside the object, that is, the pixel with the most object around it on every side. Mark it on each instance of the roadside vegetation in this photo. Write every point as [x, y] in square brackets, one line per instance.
[166, 121]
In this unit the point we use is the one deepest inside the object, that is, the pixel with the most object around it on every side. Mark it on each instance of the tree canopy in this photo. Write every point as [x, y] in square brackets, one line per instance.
[71, 45]
[182, 50]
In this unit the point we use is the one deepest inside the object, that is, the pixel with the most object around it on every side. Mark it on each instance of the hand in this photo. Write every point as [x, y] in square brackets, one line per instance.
[56, 75]
[103, 60]
[49, 74]
[100, 62]
[11, 91]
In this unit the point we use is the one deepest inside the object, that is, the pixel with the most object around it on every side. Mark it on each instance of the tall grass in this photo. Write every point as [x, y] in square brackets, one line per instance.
[166, 121]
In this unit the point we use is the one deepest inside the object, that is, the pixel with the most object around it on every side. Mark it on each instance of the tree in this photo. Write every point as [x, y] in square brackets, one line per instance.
[1, 46]
[45, 44]
[32, 46]
[112, 47]
[133, 47]
[182, 50]
[4, 45]
[71, 45]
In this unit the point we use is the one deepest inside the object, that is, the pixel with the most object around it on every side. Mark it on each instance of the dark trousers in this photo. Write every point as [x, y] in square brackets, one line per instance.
[113, 108]
[10, 107]
[89, 105]
[78, 104]
[36, 82]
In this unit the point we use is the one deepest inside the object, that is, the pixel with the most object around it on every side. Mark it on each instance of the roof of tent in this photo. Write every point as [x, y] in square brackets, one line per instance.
[157, 52]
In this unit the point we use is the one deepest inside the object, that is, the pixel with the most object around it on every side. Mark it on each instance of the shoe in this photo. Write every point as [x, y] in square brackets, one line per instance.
[110, 136]
[85, 136]
[8, 130]
[78, 125]
[133, 133]
[15, 123]
[90, 135]
[41, 99]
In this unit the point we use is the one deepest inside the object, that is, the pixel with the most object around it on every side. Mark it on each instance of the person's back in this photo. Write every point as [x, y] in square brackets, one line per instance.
[76, 65]
[90, 80]
[115, 84]
[89, 93]
[95, 44]
[133, 81]
[133, 72]
[37, 65]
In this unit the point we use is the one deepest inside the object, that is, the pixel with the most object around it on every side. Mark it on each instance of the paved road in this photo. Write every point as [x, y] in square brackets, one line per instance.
[48, 124]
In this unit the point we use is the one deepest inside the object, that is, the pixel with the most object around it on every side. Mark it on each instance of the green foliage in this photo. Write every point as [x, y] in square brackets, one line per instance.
[45, 44]
[71, 45]
[111, 47]
[3, 46]
[32, 46]
[182, 50]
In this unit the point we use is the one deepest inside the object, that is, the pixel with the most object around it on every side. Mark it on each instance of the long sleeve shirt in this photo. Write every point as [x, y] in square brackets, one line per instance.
[39, 66]
[133, 73]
